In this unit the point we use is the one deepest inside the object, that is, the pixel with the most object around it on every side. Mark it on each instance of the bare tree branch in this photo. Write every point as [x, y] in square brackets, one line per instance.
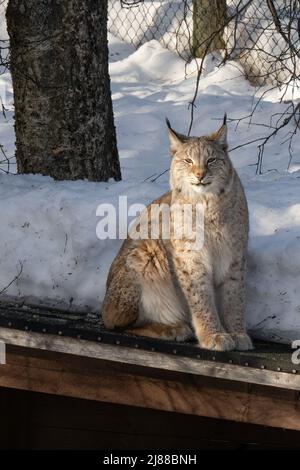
[4, 289]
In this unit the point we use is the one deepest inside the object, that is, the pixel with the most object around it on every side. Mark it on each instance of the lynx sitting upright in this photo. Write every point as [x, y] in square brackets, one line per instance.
[164, 288]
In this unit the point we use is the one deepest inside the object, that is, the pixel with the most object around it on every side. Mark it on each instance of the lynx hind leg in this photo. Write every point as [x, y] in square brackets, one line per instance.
[148, 261]
[121, 303]
[179, 332]
[161, 313]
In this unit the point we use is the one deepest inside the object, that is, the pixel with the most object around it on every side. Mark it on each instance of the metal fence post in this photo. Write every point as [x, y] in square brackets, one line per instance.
[208, 23]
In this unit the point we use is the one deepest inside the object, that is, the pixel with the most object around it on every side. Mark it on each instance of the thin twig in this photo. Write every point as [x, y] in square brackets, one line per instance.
[14, 279]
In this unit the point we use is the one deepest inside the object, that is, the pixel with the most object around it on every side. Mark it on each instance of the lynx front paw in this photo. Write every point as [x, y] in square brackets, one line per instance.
[242, 341]
[218, 342]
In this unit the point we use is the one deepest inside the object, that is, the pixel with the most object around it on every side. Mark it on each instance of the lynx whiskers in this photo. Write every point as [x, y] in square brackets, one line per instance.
[166, 289]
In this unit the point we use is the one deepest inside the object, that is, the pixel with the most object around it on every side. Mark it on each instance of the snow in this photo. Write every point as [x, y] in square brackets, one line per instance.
[274, 257]
[48, 228]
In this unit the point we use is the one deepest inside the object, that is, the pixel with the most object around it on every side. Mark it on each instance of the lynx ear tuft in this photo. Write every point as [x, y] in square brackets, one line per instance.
[168, 124]
[220, 135]
[176, 140]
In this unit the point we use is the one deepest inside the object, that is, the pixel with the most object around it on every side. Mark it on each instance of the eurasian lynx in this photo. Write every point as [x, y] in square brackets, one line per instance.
[164, 288]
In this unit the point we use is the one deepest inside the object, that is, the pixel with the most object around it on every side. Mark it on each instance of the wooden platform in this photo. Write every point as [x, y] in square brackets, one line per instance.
[67, 354]
[31, 420]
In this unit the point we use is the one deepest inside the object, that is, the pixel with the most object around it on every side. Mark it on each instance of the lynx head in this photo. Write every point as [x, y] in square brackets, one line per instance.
[200, 164]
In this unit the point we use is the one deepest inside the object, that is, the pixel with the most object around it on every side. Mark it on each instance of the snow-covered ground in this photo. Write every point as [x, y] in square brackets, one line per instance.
[48, 228]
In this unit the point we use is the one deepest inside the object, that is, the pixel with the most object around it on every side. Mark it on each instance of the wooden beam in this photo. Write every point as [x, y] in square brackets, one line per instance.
[104, 381]
[122, 354]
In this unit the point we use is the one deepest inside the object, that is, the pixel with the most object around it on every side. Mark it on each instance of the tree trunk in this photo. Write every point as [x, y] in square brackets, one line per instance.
[63, 109]
[208, 22]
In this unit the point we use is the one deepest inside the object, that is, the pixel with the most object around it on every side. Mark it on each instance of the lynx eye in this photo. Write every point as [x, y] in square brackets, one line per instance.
[210, 161]
[188, 160]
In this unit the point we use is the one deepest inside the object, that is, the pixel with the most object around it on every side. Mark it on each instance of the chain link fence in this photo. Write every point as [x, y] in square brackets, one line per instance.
[139, 21]
[264, 35]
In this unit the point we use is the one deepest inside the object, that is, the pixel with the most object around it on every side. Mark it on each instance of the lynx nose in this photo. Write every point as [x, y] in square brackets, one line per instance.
[200, 174]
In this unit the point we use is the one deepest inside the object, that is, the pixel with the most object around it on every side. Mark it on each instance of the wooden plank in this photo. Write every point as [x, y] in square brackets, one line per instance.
[56, 422]
[15, 415]
[144, 358]
[62, 374]
[58, 412]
